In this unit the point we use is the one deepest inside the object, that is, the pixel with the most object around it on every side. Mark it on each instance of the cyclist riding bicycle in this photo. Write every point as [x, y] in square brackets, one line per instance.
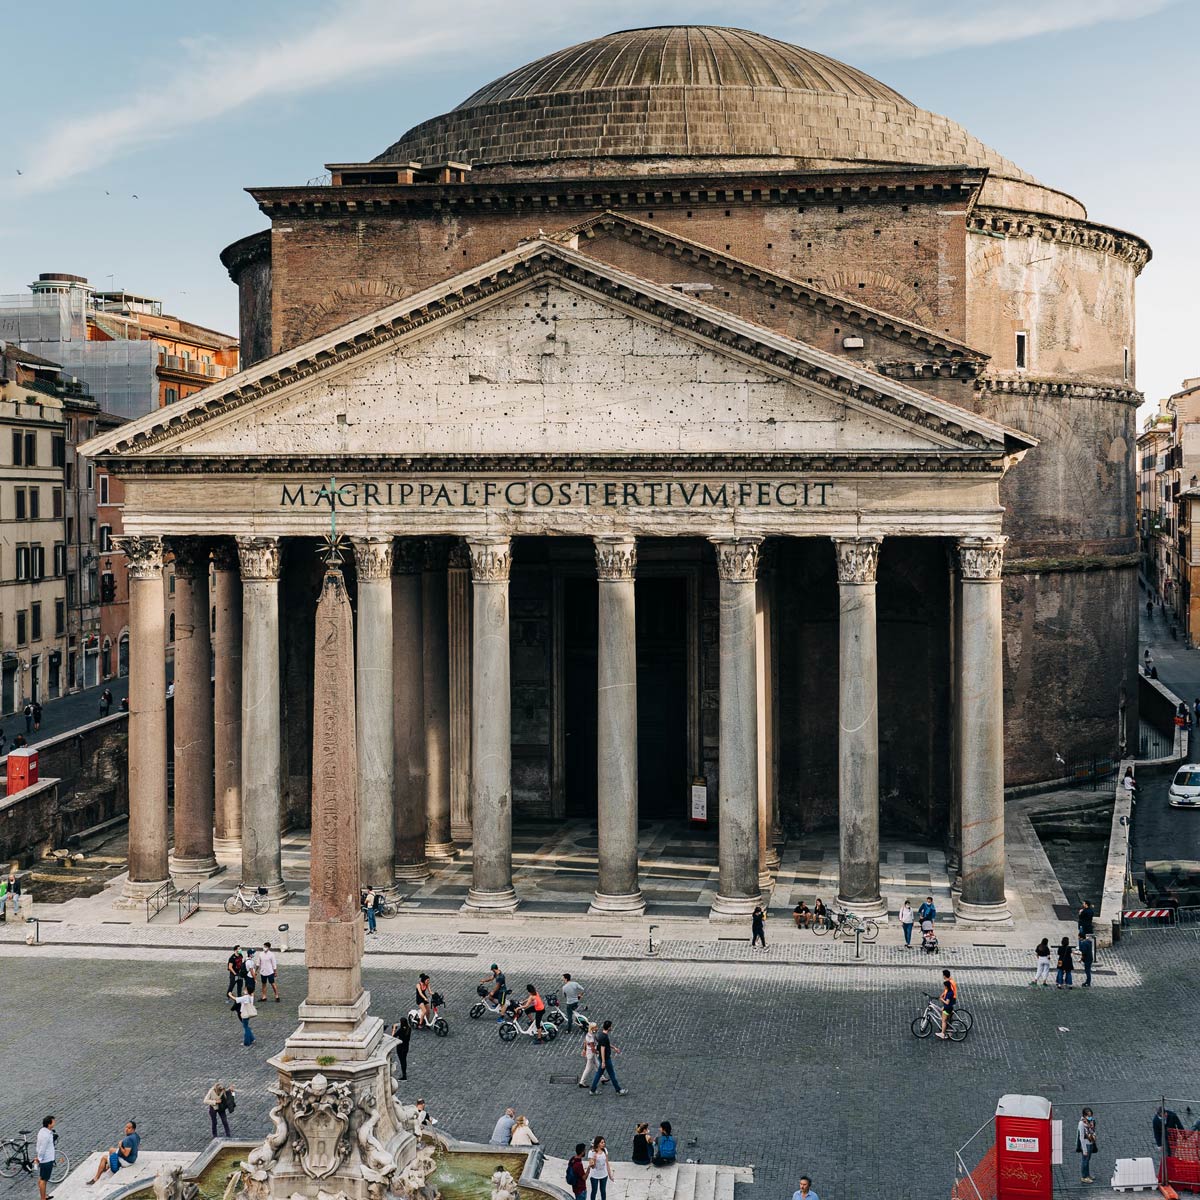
[949, 998]
[499, 985]
[536, 1005]
[425, 998]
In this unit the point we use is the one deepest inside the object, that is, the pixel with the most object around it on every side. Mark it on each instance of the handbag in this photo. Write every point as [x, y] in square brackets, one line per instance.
[228, 1102]
[250, 1010]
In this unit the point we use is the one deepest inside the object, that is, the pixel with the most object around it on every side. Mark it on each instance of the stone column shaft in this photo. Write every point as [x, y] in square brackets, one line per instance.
[617, 745]
[409, 713]
[436, 629]
[981, 731]
[768, 853]
[858, 726]
[193, 713]
[373, 713]
[738, 890]
[227, 705]
[459, 616]
[147, 720]
[262, 787]
[491, 729]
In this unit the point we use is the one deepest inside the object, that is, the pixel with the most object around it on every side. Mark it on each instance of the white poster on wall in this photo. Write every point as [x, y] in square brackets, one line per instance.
[700, 800]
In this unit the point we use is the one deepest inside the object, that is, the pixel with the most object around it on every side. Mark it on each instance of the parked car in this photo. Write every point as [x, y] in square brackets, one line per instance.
[1184, 791]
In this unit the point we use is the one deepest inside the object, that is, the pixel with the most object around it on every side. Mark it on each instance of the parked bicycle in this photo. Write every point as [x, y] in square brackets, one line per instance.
[559, 1017]
[845, 924]
[15, 1157]
[930, 1021]
[509, 1029]
[255, 899]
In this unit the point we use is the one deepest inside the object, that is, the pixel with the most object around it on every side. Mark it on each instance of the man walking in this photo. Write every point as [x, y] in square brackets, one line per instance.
[268, 964]
[605, 1051]
[37, 716]
[577, 1172]
[44, 1155]
[502, 1133]
[927, 911]
[1087, 953]
[1087, 916]
[239, 978]
[804, 1191]
[572, 993]
[27, 712]
[758, 931]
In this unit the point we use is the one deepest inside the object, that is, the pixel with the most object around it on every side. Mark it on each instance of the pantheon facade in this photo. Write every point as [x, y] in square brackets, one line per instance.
[708, 425]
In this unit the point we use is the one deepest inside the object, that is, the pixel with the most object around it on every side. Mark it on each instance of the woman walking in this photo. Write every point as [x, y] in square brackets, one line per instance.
[590, 1061]
[402, 1032]
[1085, 1144]
[243, 1005]
[906, 923]
[1066, 964]
[600, 1169]
[1042, 954]
[757, 929]
[220, 1103]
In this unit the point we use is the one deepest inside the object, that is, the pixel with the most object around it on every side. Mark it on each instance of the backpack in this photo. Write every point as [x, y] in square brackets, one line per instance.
[228, 1102]
[574, 1172]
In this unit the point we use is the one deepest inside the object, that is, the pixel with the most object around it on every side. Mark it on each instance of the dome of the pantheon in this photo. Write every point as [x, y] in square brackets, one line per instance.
[697, 98]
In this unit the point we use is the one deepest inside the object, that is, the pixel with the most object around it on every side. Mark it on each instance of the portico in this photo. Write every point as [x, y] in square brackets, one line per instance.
[616, 462]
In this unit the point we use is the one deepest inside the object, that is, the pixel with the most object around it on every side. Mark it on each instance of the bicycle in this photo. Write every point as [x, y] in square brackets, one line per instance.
[846, 924]
[14, 1157]
[931, 1020]
[255, 900]
[509, 1029]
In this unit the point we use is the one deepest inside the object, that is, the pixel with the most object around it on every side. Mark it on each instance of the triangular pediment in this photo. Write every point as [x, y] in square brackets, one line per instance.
[546, 353]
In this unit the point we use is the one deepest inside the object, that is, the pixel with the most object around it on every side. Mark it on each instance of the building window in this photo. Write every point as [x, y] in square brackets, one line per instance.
[103, 489]
[91, 531]
[171, 586]
[18, 443]
[35, 504]
[60, 559]
[31, 449]
[69, 475]
[91, 477]
[70, 529]
[93, 585]
[71, 590]
[37, 562]
[1125, 363]
[58, 451]
[22, 504]
[21, 635]
[35, 622]
[171, 629]
[57, 502]
[60, 618]
[1022, 351]
[71, 428]
[105, 538]
[172, 395]
[22, 562]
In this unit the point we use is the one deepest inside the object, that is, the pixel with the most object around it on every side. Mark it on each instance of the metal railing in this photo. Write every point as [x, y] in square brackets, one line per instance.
[1090, 772]
[158, 900]
[188, 901]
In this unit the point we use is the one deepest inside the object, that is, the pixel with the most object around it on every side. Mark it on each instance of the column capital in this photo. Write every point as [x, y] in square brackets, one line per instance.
[616, 558]
[143, 554]
[857, 559]
[981, 559]
[259, 558]
[737, 558]
[408, 556]
[373, 556]
[191, 557]
[491, 559]
[225, 556]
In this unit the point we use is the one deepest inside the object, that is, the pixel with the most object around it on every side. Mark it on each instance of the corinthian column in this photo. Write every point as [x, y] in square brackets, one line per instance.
[147, 720]
[737, 890]
[409, 712]
[436, 628]
[616, 743]
[373, 562]
[491, 729]
[458, 588]
[227, 705]
[981, 731]
[193, 712]
[858, 727]
[262, 791]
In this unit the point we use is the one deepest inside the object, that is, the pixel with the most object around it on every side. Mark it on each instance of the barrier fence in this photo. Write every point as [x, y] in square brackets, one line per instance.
[188, 901]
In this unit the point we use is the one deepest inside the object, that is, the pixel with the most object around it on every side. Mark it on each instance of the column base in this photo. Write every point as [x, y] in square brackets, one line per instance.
[135, 892]
[876, 909]
[771, 859]
[627, 904]
[733, 908]
[202, 868]
[766, 880]
[502, 901]
[390, 893]
[276, 891]
[412, 873]
[990, 915]
[228, 851]
[442, 851]
[461, 834]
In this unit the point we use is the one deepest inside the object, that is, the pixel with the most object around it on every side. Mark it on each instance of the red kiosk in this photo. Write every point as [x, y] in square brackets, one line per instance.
[22, 770]
[1024, 1148]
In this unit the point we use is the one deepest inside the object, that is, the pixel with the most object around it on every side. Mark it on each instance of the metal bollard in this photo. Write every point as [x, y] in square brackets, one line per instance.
[283, 943]
[651, 950]
[858, 942]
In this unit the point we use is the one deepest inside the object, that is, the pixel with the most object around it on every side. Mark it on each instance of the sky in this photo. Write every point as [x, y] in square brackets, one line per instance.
[131, 130]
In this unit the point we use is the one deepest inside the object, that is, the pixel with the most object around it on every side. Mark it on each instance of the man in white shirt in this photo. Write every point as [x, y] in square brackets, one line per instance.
[44, 1155]
[268, 964]
[805, 1191]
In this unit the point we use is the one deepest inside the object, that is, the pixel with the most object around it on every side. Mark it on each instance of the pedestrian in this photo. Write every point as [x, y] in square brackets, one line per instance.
[906, 923]
[642, 1146]
[664, 1146]
[757, 930]
[605, 1051]
[37, 716]
[1147, 662]
[10, 893]
[577, 1172]
[44, 1155]
[804, 1191]
[1130, 782]
[239, 976]
[820, 914]
[590, 1061]
[1042, 954]
[502, 1133]
[599, 1168]
[368, 907]
[1164, 1121]
[1065, 964]
[422, 1115]
[949, 999]
[927, 911]
[1149, 608]
[124, 1154]
[243, 1005]
[402, 1032]
[1087, 916]
[268, 968]
[221, 1102]
[1085, 1144]
[27, 712]
[124, 705]
[1087, 954]
[522, 1135]
[802, 915]
[572, 993]
[1196, 710]
[105, 701]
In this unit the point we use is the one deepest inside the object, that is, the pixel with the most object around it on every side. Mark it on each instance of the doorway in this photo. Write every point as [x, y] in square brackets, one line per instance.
[661, 605]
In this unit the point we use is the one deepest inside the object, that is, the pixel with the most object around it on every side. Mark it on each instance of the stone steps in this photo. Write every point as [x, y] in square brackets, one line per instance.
[684, 1181]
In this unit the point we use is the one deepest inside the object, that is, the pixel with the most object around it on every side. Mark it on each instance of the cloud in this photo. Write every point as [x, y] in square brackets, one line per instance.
[358, 38]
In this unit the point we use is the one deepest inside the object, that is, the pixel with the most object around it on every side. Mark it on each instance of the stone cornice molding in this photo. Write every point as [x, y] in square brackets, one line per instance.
[259, 558]
[737, 559]
[191, 556]
[857, 559]
[143, 555]
[1046, 386]
[408, 556]
[373, 557]
[616, 559]
[225, 556]
[981, 559]
[1009, 222]
[491, 559]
